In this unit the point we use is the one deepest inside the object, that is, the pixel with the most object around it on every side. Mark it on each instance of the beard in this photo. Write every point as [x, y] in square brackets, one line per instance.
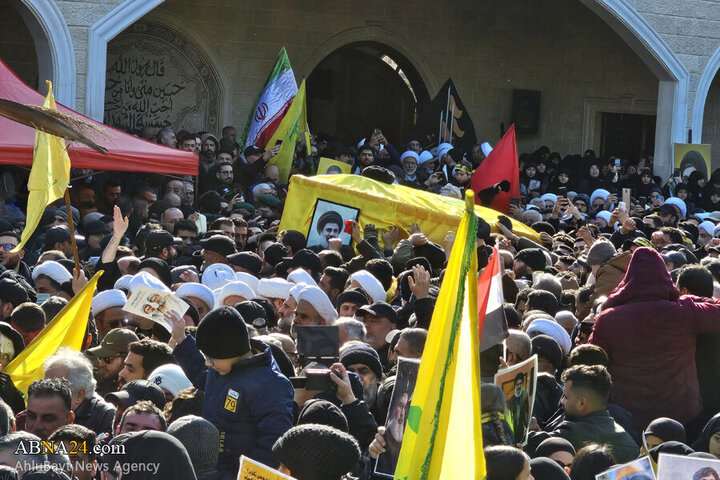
[370, 394]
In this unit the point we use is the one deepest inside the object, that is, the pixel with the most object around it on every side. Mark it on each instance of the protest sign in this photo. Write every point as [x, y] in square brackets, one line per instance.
[639, 469]
[518, 383]
[679, 467]
[252, 470]
[407, 371]
[155, 305]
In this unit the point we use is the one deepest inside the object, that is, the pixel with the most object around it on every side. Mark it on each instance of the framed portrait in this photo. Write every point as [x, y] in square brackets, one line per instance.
[328, 221]
[518, 383]
[677, 467]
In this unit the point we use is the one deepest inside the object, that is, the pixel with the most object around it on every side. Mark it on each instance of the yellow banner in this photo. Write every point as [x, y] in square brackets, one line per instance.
[294, 122]
[383, 205]
[328, 166]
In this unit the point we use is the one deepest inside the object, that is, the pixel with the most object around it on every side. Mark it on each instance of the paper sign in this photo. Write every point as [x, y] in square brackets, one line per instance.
[328, 166]
[639, 469]
[677, 467]
[518, 384]
[252, 470]
[156, 305]
[402, 394]
[688, 157]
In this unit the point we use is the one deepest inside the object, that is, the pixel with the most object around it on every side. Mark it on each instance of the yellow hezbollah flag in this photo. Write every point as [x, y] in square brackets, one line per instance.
[383, 205]
[66, 330]
[49, 175]
[443, 437]
[294, 122]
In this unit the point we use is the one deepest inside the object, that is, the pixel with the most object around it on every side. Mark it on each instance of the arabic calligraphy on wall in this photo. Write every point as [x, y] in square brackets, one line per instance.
[156, 77]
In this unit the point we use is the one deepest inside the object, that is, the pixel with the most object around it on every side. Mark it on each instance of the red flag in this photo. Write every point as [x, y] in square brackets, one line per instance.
[501, 164]
[491, 316]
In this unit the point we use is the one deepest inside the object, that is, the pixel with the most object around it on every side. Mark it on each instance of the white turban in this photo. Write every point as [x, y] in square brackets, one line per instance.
[370, 284]
[410, 153]
[107, 299]
[320, 302]
[234, 288]
[123, 282]
[197, 290]
[552, 328]
[217, 275]
[250, 280]
[54, 270]
[274, 288]
[424, 156]
[299, 275]
[144, 279]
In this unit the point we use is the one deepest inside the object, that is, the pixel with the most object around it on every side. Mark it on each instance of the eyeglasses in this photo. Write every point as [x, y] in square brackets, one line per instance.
[7, 246]
[110, 358]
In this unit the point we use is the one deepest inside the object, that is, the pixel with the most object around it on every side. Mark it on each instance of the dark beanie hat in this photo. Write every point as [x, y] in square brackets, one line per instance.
[552, 445]
[548, 349]
[200, 438]
[316, 452]
[324, 413]
[666, 429]
[159, 266]
[671, 447]
[223, 334]
[533, 258]
[248, 260]
[362, 353]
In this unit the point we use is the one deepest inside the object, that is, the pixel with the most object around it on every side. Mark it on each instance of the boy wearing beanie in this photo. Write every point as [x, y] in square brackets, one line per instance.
[246, 397]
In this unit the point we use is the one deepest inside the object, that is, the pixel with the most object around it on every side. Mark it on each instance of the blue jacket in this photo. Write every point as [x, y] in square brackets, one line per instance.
[252, 406]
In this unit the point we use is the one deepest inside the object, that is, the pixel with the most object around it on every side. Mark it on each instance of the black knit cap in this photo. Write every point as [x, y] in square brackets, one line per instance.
[248, 260]
[316, 452]
[159, 266]
[322, 412]
[533, 258]
[352, 295]
[223, 334]
[362, 353]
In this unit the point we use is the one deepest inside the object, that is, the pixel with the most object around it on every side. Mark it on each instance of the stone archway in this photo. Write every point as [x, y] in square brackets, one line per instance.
[53, 47]
[701, 96]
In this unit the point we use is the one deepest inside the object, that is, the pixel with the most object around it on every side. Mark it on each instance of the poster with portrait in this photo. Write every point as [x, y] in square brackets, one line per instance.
[638, 469]
[328, 166]
[519, 383]
[407, 372]
[328, 222]
[688, 157]
[155, 305]
[678, 467]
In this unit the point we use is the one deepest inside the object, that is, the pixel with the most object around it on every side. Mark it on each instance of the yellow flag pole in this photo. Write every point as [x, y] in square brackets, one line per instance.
[71, 225]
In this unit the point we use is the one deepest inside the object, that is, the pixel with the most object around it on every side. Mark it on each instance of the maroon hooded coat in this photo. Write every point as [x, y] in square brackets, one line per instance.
[649, 332]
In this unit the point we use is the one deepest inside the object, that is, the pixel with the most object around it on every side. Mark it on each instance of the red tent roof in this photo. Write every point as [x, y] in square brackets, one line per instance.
[125, 152]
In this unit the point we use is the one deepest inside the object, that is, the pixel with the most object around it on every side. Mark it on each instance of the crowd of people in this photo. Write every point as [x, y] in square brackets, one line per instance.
[617, 300]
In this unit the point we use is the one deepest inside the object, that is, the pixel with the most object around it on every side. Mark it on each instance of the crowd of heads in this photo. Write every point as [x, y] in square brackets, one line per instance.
[245, 371]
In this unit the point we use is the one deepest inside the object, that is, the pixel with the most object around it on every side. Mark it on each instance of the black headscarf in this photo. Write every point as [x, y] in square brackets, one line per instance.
[702, 444]
[666, 429]
[545, 469]
[674, 448]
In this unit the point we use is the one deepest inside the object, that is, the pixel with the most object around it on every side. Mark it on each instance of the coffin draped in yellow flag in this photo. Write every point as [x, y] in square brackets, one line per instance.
[443, 436]
[49, 175]
[293, 123]
[66, 330]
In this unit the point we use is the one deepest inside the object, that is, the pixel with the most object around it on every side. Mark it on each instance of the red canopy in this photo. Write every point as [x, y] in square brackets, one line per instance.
[125, 152]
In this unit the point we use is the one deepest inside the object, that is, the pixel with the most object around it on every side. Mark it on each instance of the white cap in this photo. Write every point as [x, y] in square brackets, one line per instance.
[170, 377]
[295, 291]
[486, 148]
[145, 279]
[217, 275]
[410, 153]
[370, 284]
[53, 270]
[123, 282]
[299, 275]
[250, 280]
[234, 288]
[443, 148]
[196, 290]
[107, 299]
[679, 203]
[424, 157]
[549, 196]
[320, 302]
[707, 227]
[274, 288]
[604, 214]
[553, 329]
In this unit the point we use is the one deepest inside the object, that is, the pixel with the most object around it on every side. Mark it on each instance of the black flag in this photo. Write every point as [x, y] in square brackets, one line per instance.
[445, 112]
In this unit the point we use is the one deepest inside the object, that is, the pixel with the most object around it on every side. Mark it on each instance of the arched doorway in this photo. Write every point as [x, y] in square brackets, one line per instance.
[386, 89]
[17, 47]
